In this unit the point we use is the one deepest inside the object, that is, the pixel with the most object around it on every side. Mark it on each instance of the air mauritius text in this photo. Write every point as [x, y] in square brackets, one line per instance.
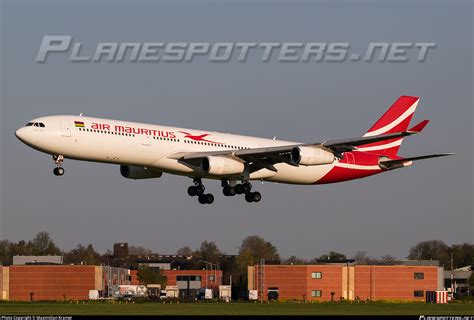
[51, 46]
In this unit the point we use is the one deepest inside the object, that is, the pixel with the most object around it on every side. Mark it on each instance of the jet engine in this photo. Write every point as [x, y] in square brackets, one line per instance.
[311, 156]
[136, 172]
[221, 165]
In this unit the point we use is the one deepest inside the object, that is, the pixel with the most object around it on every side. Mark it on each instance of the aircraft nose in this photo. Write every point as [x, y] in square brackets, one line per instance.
[21, 134]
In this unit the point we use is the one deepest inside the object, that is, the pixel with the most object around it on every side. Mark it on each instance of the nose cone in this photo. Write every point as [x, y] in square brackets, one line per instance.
[22, 134]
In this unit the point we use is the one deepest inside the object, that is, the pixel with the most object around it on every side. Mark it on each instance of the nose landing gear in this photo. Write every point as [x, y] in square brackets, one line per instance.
[58, 171]
[58, 160]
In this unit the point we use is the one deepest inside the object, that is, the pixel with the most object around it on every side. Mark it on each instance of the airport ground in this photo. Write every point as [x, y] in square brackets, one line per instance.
[233, 308]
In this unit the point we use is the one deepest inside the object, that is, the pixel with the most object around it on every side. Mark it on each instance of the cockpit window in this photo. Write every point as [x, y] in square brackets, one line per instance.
[41, 124]
[38, 124]
[29, 124]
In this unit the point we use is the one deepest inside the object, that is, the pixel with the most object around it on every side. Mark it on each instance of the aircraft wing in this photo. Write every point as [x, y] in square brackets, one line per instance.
[344, 145]
[266, 157]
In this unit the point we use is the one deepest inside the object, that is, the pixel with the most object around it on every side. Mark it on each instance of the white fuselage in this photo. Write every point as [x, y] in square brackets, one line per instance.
[152, 146]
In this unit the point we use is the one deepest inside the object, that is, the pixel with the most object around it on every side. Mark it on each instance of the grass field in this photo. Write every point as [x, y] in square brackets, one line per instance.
[149, 308]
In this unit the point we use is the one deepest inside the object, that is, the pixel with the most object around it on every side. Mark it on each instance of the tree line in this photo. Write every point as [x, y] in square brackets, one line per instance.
[251, 251]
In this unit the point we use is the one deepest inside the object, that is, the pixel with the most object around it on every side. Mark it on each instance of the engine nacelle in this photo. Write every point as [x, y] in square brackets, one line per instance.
[221, 166]
[311, 156]
[135, 172]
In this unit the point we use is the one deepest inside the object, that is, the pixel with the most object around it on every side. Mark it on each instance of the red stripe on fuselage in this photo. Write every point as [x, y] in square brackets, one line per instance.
[338, 174]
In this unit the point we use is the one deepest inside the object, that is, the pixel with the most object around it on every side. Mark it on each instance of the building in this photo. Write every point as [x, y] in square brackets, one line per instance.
[188, 281]
[337, 281]
[460, 281]
[28, 260]
[59, 282]
[198, 278]
[121, 250]
[164, 262]
[4, 283]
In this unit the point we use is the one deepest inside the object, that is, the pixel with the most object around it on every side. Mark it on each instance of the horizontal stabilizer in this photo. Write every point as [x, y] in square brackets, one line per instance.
[394, 164]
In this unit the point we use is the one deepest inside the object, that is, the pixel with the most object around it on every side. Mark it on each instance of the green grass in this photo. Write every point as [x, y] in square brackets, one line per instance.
[234, 308]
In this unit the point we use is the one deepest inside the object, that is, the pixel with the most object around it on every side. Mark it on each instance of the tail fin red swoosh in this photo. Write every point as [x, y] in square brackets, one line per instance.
[396, 119]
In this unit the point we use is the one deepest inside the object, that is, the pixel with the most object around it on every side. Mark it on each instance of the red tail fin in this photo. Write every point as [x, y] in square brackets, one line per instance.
[396, 119]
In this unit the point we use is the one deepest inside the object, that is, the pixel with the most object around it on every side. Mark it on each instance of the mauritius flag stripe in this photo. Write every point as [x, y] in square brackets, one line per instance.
[79, 124]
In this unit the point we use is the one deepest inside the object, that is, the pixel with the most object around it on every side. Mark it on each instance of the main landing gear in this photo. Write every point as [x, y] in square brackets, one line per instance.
[228, 188]
[198, 190]
[58, 160]
[241, 188]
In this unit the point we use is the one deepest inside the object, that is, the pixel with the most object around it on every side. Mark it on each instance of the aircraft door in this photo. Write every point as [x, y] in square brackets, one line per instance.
[146, 140]
[350, 157]
[65, 128]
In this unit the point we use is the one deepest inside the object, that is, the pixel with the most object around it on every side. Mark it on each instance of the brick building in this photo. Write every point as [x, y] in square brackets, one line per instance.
[58, 282]
[4, 283]
[333, 282]
[182, 277]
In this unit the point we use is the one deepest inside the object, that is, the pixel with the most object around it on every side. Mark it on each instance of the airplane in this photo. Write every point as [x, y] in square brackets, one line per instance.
[146, 151]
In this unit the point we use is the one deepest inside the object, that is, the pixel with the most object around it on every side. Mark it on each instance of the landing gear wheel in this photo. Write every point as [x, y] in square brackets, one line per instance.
[246, 187]
[231, 191]
[209, 198]
[58, 171]
[228, 191]
[199, 190]
[192, 191]
[256, 196]
[239, 189]
[202, 199]
[249, 197]
[225, 191]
